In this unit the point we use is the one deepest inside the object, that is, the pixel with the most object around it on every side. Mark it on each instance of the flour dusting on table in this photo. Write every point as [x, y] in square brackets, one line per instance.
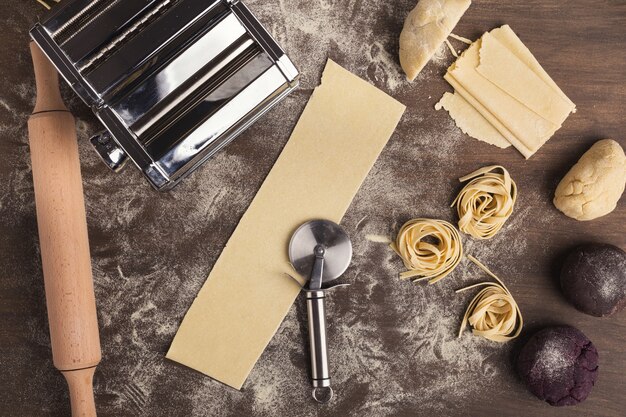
[394, 346]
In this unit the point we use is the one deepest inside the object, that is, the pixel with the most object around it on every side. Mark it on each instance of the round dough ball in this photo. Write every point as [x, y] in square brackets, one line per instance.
[593, 279]
[594, 185]
[559, 365]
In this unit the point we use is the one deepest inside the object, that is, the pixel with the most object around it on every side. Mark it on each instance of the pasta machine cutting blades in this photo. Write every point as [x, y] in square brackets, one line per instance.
[320, 250]
[172, 81]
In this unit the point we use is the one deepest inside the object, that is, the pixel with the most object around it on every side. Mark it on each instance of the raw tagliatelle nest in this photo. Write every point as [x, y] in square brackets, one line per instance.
[430, 249]
[493, 312]
[486, 202]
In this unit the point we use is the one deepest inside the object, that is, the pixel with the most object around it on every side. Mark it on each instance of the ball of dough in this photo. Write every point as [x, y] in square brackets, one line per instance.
[559, 365]
[594, 185]
[425, 29]
[593, 279]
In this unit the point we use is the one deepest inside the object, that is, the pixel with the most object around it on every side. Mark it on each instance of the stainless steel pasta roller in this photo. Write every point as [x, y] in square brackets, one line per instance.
[172, 81]
[320, 250]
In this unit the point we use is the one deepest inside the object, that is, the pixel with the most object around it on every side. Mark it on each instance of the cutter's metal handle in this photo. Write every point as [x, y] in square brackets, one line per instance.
[320, 374]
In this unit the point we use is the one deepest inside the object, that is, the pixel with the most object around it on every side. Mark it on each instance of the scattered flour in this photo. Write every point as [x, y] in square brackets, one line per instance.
[553, 359]
[311, 31]
[612, 285]
[393, 344]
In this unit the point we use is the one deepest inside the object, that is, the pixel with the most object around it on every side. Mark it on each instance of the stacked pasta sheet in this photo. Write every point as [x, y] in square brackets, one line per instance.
[502, 94]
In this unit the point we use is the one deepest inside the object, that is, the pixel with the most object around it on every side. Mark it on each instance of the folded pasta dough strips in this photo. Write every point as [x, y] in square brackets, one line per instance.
[339, 136]
[500, 78]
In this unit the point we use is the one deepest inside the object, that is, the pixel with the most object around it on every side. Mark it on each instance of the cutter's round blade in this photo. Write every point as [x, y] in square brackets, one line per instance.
[320, 232]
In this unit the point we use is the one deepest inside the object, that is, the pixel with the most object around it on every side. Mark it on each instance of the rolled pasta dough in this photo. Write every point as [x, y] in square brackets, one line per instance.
[528, 127]
[499, 77]
[248, 294]
[470, 121]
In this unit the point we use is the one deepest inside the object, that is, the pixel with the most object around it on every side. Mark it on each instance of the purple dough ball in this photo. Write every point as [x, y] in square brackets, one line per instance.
[593, 279]
[559, 365]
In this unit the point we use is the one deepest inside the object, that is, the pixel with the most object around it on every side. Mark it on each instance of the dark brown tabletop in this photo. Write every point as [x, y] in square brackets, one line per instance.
[394, 346]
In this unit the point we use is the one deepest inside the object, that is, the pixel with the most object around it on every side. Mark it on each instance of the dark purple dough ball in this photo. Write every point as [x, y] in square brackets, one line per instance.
[593, 279]
[559, 365]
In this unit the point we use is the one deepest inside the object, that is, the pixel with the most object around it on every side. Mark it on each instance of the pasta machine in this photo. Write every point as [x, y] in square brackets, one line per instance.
[172, 81]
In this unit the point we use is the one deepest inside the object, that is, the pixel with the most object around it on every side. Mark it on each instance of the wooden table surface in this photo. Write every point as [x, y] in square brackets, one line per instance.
[393, 344]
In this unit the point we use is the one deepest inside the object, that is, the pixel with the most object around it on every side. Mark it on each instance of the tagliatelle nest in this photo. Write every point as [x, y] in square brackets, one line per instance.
[486, 202]
[430, 249]
[493, 312]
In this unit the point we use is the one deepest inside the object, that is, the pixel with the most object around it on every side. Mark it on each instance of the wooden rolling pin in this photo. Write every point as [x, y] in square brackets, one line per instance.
[63, 238]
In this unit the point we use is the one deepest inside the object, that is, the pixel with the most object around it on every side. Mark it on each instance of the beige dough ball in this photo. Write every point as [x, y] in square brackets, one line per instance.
[594, 185]
[425, 29]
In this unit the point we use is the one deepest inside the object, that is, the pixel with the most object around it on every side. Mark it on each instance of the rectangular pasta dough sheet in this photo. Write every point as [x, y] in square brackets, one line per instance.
[502, 80]
[520, 82]
[470, 121]
[339, 136]
[508, 38]
[528, 127]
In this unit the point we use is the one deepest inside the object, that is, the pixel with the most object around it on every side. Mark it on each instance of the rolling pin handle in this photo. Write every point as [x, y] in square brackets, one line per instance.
[80, 383]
